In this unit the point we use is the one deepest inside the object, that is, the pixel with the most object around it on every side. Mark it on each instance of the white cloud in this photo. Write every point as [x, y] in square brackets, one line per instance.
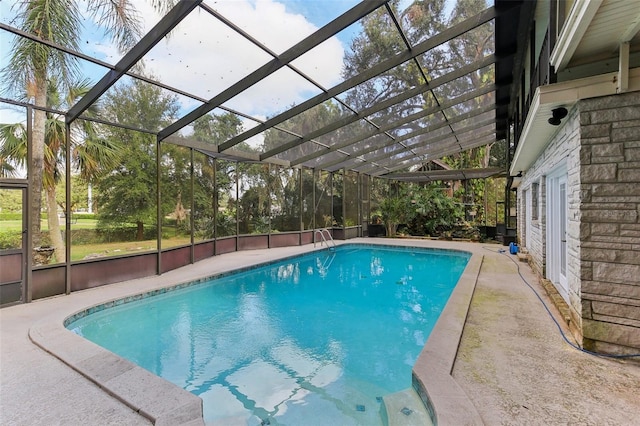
[204, 57]
[10, 114]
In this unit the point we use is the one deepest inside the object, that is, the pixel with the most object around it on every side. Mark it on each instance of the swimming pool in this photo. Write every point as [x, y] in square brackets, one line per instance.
[322, 336]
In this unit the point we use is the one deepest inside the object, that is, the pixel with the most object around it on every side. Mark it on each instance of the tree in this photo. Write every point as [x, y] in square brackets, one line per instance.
[208, 197]
[128, 193]
[435, 212]
[303, 124]
[216, 129]
[378, 41]
[285, 199]
[395, 211]
[91, 155]
[420, 21]
[254, 192]
[33, 65]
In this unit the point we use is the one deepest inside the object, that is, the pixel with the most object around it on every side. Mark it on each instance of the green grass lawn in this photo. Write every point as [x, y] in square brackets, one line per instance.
[81, 251]
[15, 225]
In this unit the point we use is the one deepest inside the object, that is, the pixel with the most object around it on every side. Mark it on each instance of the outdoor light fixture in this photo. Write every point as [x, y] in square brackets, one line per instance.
[557, 115]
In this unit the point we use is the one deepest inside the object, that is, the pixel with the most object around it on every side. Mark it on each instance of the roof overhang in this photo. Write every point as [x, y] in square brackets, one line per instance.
[596, 29]
[537, 132]
[578, 21]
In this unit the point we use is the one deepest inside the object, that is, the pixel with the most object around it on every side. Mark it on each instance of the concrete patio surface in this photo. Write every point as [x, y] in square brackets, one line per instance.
[517, 369]
[512, 363]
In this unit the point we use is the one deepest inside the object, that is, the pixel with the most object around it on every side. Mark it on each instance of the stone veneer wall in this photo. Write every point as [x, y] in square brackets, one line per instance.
[563, 150]
[610, 222]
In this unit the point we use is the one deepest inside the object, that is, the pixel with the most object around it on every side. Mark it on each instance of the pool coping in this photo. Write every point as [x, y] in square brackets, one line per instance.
[165, 403]
[444, 399]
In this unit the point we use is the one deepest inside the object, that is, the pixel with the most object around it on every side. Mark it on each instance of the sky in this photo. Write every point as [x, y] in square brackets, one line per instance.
[204, 57]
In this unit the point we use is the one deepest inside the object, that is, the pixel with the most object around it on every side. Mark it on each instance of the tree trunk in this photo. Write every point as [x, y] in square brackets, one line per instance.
[54, 225]
[391, 228]
[37, 160]
[487, 155]
[140, 231]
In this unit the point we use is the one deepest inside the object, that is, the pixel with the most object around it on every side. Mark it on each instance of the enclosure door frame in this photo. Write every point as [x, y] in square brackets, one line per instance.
[24, 251]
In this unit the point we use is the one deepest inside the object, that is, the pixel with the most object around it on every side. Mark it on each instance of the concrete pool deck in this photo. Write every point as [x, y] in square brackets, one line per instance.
[511, 364]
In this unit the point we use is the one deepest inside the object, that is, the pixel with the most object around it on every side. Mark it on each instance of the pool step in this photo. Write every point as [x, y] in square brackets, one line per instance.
[404, 408]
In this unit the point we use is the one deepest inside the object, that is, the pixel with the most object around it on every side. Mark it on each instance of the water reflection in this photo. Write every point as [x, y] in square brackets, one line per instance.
[286, 345]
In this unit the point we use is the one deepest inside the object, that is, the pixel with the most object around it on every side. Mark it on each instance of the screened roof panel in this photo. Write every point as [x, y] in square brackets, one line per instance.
[311, 83]
[416, 127]
[316, 118]
[458, 51]
[471, 105]
[465, 84]
[328, 158]
[377, 40]
[395, 158]
[330, 71]
[178, 59]
[434, 62]
[118, 106]
[300, 151]
[369, 144]
[220, 124]
[273, 137]
[276, 92]
[280, 25]
[358, 130]
[382, 153]
[376, 90]
[93, 40]
[349, 163]
[434, 135]
[352, 134]
[403, 109]
[474, 121]
[479, 40]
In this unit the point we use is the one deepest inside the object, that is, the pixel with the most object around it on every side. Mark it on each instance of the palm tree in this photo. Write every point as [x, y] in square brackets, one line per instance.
[91, 155]
[32, 65]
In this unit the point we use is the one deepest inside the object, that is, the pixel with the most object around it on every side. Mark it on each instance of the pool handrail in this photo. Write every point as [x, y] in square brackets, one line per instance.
[321, 232]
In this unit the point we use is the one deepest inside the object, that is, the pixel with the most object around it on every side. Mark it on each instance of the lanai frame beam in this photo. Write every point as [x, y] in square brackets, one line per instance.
[168, 22]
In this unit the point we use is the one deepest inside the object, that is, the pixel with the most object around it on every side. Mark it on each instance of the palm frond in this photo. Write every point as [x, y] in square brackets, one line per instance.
[14, 143]
[120, 20]
[57, 21]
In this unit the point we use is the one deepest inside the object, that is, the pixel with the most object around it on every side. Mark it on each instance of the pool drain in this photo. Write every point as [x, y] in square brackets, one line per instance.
[360, 407]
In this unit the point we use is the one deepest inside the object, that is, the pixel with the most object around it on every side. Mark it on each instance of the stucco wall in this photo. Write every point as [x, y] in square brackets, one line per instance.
[610, 217]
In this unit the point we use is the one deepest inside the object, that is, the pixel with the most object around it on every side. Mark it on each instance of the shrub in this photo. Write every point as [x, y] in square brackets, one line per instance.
[11, 216]
[85, 236]
[87, 216]
[124, 233]
[10, 240]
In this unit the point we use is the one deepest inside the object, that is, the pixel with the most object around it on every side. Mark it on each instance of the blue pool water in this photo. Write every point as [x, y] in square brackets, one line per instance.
[316, 339]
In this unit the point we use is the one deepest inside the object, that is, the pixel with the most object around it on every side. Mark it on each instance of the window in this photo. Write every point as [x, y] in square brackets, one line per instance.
[534, 201]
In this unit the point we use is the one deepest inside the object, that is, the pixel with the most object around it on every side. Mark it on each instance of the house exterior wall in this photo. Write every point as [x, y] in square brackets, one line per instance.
[599, 142]
[610, 222]
[562, 151]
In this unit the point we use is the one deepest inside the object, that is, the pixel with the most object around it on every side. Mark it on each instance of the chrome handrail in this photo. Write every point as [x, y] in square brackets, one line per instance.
[321, 232]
